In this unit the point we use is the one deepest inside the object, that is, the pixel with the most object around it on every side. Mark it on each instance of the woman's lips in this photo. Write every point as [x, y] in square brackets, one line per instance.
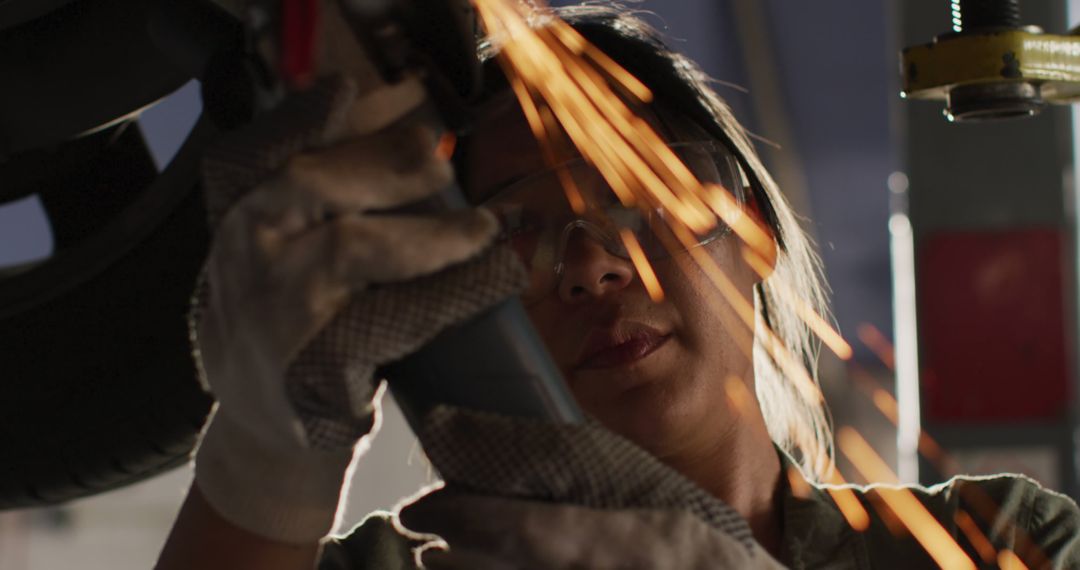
[611, 349]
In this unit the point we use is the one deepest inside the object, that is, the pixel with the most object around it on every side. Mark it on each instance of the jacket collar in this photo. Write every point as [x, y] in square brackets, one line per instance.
[816, 534]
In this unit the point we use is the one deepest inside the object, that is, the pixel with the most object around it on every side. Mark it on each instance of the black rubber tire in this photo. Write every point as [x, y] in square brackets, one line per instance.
[97, 384]
[99, 388]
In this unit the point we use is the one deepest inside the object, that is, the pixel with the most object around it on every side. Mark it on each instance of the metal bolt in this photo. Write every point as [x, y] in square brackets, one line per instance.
[971, 15]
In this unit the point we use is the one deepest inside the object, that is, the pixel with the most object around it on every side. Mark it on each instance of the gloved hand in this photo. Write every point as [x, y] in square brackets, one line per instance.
[524, 493]
[287, 328]
[499, 533]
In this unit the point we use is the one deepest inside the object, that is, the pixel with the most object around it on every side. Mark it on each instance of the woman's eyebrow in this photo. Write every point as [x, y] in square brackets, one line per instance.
[523, 174]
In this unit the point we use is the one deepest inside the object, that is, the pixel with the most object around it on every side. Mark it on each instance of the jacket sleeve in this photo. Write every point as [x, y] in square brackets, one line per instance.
[1017, 515]
[1054, 527]
[374, 544]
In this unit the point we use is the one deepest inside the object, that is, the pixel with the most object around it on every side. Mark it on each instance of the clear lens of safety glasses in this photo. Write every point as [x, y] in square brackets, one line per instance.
[539, 223]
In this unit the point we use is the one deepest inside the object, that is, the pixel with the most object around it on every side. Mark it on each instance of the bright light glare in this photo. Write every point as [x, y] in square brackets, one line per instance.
[908, 425]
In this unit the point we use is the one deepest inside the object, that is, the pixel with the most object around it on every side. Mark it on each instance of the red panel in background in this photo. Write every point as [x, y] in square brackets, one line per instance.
[992, 326]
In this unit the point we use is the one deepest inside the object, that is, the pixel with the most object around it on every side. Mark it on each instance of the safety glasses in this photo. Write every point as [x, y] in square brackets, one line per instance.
[538, 222]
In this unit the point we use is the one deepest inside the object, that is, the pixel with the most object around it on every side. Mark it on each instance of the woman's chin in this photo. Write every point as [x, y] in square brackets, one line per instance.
[662, 416]
[660, 402]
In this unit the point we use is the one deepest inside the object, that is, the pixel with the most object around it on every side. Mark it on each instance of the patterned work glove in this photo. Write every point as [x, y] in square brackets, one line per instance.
[306, 292]
[492, 533]
[529, 494]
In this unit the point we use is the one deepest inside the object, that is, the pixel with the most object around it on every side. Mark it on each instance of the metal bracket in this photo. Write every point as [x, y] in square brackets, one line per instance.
[994, 74]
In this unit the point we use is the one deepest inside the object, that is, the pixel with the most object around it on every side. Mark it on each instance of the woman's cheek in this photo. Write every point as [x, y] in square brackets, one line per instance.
[555, 330]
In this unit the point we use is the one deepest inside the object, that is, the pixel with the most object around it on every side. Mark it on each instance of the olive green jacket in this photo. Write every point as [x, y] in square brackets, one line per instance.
[1011, 512]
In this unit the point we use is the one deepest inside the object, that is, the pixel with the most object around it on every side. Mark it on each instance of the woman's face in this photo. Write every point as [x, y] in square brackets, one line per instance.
[652, 372]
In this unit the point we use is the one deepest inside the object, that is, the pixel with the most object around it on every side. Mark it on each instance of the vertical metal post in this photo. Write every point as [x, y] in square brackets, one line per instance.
[905, 332]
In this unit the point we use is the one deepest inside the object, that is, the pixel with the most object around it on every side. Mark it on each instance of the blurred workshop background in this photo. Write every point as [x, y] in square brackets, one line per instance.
[950, 250]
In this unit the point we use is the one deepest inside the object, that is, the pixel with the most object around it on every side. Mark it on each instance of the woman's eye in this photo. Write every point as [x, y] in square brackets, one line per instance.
[516, 222]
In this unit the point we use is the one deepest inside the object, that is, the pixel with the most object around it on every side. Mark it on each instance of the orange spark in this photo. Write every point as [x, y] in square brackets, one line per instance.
[800, 487]
[739, 395]
[752, 232]
[742, 306]
[918, 520]
[529, 109]
[736, 302]
[568, 86]
[1008, 560]
[984, 505]
[886, 515]
[578, 101]
[850, 507]
[566, 179]
[822, 329]
[933, 452]
[572, 38]
[982, 545]
[759, 264]
[745, 311]
[551, 74]
[847, 502]
[887, 404]
[445, 147]
[741, 335]
[641, 263]
[544, 129]
[828, 335]
[877, 343]
[742, 400]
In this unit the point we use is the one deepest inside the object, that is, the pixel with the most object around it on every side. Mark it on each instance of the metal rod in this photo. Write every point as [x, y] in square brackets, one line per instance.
[970, 15]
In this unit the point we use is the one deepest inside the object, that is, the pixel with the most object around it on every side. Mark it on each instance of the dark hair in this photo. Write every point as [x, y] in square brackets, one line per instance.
[795, 415]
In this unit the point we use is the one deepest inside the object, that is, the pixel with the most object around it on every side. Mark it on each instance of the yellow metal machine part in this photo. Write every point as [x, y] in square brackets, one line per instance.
[994, 74]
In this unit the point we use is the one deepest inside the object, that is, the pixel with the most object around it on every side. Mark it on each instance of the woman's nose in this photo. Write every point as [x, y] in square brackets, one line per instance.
[590, 270]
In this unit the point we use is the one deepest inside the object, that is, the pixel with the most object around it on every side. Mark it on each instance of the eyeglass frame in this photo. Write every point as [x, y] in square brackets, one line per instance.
[744, 194]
